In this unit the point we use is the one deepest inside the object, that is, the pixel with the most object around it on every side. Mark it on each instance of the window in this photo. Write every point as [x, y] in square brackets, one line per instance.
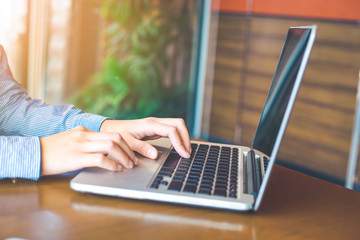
[13, 35]
[122, 59]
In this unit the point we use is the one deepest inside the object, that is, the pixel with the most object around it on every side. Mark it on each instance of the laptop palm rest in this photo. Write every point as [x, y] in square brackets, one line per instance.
[136, 178]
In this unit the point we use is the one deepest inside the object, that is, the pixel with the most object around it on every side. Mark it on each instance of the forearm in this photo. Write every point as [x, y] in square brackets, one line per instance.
[20, 157]
[33, 118]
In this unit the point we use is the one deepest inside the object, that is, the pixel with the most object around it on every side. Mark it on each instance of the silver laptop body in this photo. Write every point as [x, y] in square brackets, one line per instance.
[242, 187]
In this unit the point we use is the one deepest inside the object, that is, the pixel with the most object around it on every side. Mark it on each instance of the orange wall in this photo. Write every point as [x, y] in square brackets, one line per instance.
[323, 9]
[229, 5]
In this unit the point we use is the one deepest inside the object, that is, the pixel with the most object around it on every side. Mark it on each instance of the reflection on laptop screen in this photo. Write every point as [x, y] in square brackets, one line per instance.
[281, 89]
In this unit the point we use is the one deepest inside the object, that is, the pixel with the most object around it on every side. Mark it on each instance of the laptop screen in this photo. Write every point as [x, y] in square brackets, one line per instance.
[281, 89]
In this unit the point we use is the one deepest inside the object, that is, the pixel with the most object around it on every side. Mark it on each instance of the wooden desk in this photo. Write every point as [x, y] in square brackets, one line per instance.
[296, 206]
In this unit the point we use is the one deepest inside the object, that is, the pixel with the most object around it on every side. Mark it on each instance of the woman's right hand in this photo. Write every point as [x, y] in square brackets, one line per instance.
[79, 148]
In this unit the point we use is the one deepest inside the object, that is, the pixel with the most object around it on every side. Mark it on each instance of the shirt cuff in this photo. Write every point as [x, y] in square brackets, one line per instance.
[90, 121]
[20, 157]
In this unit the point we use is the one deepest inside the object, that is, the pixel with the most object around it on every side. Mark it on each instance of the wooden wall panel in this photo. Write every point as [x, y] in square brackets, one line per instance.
[226, 84]
[319, 131]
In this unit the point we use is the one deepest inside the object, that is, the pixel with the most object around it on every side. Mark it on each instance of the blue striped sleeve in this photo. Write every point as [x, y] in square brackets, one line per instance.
[23, 120]
[20, 157]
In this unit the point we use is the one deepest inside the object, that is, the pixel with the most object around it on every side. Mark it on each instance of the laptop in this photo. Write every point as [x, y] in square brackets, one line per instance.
[217, 175]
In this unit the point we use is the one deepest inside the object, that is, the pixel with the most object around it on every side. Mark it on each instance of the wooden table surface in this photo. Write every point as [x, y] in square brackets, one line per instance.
[295, 206]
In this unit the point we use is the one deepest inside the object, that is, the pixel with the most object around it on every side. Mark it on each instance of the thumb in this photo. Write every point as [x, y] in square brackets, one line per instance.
[142, 147]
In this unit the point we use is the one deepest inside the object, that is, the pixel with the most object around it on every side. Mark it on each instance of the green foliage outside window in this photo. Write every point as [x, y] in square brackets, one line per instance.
[146, 62]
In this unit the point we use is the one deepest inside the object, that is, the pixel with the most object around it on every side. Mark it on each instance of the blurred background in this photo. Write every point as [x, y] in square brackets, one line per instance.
[209, 62]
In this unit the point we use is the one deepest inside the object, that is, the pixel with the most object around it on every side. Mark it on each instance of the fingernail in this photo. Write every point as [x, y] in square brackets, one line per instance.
[152, 153]
[131, 164]
[136, 161]
[118, 168]
[187, 155]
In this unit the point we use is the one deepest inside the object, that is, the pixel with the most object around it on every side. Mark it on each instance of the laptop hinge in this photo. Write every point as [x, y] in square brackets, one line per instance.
[252, 173]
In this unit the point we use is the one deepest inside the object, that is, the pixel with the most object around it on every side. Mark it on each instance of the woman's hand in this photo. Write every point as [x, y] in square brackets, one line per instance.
[80, 147]
[113, 147]
[135, 132]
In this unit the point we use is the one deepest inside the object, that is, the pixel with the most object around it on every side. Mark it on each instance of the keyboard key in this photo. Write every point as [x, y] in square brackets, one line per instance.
[209, 171]
[220, 182]
[233, 186]
[183, 166]
[182, 169]
[194, 176]
[215, 147]
[179, 178]
[266, 162]
[198, 160]
[233, 178]
[172, 160]
[175, 186]
[192, 181]
[210, 165]
[232, 195]
[221, 186]
[164, 174]
[204, 191]
[194, 145]
[163, 182]
[209, 174]
[212, 159]
[156, 182]
[201, 152]
[205, 185]
[203, 146]
[184, 163]
[196, 169]
[223, 172]
[180, 173]
[218, 192]
[155, 186]
[190, 188]
[220, 177]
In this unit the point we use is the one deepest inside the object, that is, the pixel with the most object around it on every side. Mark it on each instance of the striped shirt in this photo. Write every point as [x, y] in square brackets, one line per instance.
[24, 120]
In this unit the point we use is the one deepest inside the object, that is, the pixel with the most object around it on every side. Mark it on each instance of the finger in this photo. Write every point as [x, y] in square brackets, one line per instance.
[116, 137]
[110, 148]
[172, 133]
[180, 124]
[102, 161]
[142, 147]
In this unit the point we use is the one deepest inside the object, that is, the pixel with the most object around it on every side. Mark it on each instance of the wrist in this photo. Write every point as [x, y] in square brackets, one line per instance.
[107, 125]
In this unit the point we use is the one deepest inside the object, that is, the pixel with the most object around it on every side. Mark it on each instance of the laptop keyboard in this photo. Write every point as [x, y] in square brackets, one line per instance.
[211, 170]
